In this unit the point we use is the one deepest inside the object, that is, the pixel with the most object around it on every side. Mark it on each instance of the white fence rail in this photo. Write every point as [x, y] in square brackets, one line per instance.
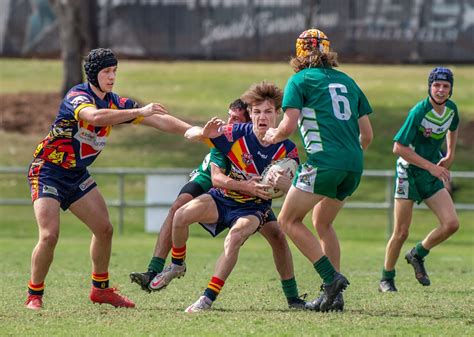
[122, 203]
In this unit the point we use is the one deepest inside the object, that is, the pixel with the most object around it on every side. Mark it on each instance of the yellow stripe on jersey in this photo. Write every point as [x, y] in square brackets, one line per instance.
[208, 142]
[237, 154]
[80, 107]
[138, 120]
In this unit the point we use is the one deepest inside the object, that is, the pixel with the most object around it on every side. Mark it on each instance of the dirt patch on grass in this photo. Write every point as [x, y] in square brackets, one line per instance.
[28, 112]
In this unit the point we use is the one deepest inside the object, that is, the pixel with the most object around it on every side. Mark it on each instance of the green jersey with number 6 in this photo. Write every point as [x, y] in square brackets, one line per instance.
[330, 104]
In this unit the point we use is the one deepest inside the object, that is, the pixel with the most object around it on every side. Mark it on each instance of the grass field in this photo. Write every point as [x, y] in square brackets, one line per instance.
[252, 303]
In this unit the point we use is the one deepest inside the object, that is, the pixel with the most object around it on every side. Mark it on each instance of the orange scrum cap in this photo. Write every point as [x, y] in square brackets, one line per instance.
[311, 40]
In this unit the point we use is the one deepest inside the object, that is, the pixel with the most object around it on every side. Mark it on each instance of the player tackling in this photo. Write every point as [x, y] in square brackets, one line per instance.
[59, 178]
[240, 202]
[331, 113]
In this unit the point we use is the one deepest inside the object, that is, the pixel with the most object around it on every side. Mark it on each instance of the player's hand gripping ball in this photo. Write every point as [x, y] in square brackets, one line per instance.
[286, 165]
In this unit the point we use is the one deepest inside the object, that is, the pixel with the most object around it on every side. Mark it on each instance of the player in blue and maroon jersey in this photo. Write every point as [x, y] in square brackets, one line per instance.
[59, 178]
[239, 202]
[199, 183]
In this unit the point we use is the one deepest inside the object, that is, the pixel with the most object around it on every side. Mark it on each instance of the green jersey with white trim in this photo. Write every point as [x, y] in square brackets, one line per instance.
[424, 130]
[330, 104]
[202, 174]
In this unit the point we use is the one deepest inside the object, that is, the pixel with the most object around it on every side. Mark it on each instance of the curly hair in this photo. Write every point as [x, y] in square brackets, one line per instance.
[264, 91]
[315, 59]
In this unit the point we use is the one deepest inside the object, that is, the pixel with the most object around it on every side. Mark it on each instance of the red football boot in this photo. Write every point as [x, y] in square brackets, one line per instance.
[110, 296]
[34, 302]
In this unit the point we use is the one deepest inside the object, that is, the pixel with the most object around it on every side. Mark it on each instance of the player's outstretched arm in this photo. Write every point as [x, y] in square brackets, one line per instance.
[167, 123]
[105, 117]
[210, 130]
[286, 127]
[194, 134]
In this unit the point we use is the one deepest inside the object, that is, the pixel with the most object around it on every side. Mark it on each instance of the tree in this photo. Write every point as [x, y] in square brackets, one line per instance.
[77, 22]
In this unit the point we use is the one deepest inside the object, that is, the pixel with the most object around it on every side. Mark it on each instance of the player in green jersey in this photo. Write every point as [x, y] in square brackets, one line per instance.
[421, 172]
[331, 113]
[199, 183]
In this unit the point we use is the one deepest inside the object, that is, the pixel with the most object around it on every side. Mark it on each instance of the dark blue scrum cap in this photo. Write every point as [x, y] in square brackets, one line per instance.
[97, 60]
[441, 74]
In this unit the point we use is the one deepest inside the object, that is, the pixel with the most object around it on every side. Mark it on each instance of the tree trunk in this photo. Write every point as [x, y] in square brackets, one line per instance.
[78, 33]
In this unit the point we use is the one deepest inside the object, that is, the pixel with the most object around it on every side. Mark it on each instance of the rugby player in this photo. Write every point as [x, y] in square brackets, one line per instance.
[421, 174]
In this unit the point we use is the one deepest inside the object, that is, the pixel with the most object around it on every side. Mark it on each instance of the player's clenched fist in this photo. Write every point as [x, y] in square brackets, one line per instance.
[270, 135]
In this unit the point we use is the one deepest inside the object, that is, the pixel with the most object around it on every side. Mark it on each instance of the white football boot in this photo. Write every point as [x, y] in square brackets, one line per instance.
[203, 303]
[164, 278]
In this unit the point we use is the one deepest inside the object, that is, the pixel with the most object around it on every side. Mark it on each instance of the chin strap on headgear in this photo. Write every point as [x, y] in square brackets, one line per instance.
[97, 60]
[441, 74]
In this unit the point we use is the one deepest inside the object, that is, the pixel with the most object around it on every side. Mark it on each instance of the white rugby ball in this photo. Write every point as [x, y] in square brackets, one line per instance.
[287, 165]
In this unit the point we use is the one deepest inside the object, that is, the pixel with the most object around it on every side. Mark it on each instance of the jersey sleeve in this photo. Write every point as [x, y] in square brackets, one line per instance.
[75, 101]
[230, 134]
[455, 123]
[219, 160]
[292, 97]
[128, 103]
[408, 131]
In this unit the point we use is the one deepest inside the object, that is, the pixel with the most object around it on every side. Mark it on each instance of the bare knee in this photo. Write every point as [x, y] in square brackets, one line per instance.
[234, 240]
[177, 204]
[285, 224]
[451, 226]
[173, 209]
[49, 239]
[278, 237]
[323, 229]
[290, 227]
[272, 232]
[278, 241]
[400, 235]
[180, 218]
[104, 232]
